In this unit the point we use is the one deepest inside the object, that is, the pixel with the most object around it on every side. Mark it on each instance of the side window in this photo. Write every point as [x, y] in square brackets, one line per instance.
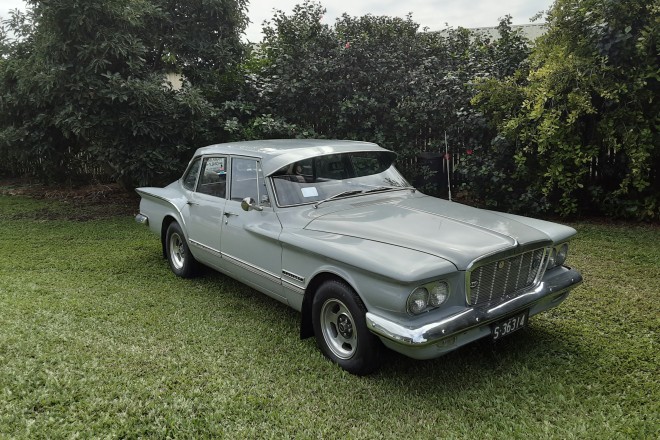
[213, 180]
[247, 180]
[368, 164]
[190, 178]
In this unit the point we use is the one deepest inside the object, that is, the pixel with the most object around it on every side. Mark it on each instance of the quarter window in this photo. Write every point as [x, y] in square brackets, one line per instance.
[190, 178]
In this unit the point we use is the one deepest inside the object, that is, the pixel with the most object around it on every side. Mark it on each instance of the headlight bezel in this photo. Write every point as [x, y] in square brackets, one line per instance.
[562, 254]
[420, 301]
[557, 255]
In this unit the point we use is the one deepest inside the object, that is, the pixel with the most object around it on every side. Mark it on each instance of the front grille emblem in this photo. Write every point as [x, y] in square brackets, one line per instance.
[474, 284]
[501, 264]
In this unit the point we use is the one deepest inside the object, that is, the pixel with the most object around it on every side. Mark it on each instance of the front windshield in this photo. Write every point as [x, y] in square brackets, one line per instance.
[319, 178]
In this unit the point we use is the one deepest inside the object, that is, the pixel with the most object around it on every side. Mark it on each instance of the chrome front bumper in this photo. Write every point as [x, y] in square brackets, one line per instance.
[472, 323]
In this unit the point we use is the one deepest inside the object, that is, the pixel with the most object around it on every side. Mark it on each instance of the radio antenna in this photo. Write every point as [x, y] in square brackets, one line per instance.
[447, 157]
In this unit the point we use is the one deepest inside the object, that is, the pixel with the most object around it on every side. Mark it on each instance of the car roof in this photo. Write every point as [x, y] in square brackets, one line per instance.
[277, 153]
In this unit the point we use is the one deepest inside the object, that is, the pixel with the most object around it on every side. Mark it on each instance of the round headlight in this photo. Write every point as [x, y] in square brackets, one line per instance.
[562, 253]
[439, 294]
[418, 301]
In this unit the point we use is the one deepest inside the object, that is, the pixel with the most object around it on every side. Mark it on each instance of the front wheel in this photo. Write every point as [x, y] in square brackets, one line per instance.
[181, 261]
[341, 331]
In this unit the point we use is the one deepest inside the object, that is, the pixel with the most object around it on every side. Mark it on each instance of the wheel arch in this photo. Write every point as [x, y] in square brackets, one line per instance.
[167, 221]
[306, 327]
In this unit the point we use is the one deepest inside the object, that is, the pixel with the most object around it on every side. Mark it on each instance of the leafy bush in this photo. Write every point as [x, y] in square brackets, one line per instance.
[83, 88]
[376, 79]
[582, 123]
[567, 126]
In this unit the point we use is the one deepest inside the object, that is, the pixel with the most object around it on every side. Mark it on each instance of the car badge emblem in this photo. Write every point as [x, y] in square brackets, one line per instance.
[501, 264]
[474, 284]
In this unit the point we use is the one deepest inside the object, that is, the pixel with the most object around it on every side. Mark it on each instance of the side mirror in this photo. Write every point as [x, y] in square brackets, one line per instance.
[248, 204]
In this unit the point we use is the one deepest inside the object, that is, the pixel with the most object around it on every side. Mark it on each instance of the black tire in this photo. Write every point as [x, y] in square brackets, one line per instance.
[338, 316]
[181, 261]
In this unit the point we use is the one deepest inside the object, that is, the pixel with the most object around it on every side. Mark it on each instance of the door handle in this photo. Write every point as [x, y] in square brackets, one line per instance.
[228, 214]
[192, 203]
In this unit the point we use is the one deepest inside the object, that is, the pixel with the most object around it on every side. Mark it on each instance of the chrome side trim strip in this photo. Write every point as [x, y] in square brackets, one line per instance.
[252, 268]
[206, 248]
[294, 288]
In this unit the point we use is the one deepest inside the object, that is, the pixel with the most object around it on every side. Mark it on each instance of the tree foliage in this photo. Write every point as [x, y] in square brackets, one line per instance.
[83, 85]
[373, 78]
[583, 121]
[567, 124]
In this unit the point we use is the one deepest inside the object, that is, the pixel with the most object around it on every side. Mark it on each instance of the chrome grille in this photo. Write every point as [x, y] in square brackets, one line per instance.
[502, 279]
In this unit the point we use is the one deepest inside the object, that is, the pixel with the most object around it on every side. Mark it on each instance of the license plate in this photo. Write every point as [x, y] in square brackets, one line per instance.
[509, 325]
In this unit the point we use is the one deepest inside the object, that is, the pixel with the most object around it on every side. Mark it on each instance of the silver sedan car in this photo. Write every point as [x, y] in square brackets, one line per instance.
[332, 229]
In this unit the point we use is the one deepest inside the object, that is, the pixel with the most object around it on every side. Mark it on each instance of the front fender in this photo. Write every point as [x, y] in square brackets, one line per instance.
[398, 264]
[378, 272]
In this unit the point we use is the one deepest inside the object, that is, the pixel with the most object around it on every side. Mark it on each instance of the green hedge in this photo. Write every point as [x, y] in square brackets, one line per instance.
[563, 125]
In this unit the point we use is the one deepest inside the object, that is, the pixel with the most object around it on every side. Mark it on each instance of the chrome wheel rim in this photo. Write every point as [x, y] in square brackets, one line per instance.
[177, 252]
[338, 329]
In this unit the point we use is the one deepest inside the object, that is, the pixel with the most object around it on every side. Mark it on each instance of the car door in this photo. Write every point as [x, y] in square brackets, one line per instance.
[250, 239]
[205, 207]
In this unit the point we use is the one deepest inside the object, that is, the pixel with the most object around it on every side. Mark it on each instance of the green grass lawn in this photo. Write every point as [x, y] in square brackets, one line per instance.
[99, 339]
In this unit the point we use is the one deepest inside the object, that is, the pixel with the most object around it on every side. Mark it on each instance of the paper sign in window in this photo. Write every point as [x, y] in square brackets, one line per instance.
[309, 192]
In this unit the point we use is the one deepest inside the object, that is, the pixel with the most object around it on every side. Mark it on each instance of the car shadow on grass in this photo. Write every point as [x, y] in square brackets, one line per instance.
[534, 354]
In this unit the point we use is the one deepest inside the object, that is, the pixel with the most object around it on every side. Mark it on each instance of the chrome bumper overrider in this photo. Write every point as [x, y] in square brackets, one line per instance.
[552, 288]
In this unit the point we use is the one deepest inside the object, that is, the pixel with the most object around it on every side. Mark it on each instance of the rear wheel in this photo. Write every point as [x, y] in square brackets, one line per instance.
[341, 331]
[181, 261]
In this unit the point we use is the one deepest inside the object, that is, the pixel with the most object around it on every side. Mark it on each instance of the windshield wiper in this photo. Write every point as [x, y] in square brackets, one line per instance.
[350, 192]
[387, 188]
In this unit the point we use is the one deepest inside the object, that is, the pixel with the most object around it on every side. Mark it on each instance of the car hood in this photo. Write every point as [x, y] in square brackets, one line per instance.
[448, 230]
